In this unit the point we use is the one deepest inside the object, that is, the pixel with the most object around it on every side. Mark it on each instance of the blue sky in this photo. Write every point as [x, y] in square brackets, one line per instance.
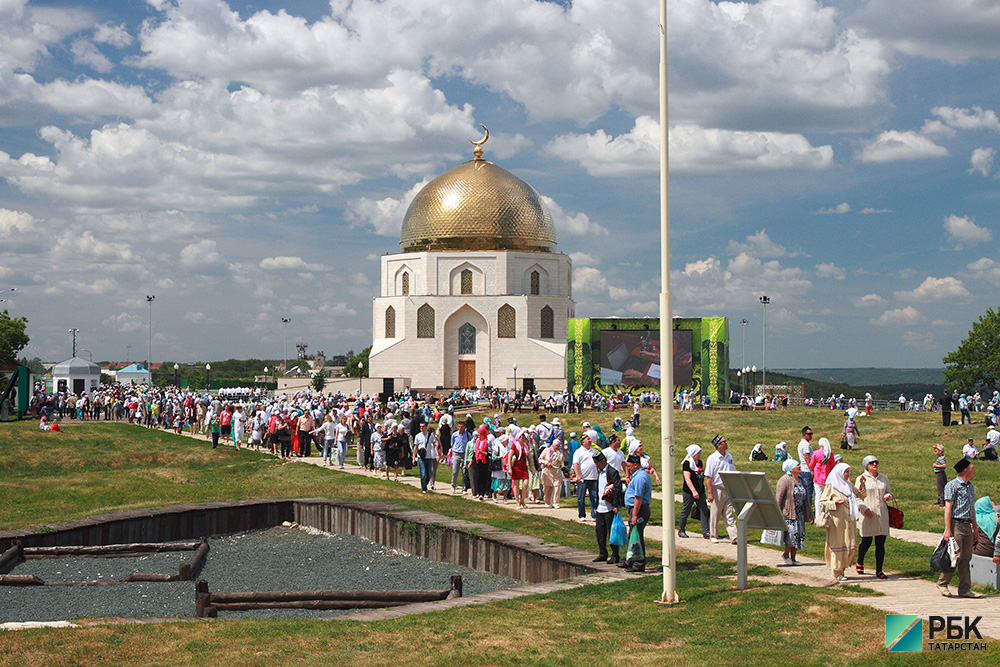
[250, 161]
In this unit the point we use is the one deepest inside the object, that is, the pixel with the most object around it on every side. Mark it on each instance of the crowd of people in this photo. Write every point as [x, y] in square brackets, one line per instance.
[499, 459]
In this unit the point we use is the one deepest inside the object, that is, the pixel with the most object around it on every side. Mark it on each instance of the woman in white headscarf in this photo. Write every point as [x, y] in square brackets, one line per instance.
[693, 491]
[821, 463]
[780, 451]
[873, 491]
[841, 505]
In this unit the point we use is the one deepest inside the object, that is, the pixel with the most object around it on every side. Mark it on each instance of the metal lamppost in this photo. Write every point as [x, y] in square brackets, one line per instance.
[176, 368]
[515, 378]
[739, 374]
[753, 377]
[91, 354]
[744, 323]
[764, 300]
[361, 377]
[149, 353]
[208, 369]
[74, 332]
[285, 321]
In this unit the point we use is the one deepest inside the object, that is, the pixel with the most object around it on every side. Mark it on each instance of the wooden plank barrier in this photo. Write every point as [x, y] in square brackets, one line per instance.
[190, 569]
[112, 550]
[208, 604]
[11, 557]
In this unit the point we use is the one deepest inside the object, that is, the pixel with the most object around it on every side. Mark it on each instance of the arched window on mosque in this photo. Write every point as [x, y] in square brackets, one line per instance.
[547, 323]
[536, 281]
[406, 283]
[467, 281]
[506, 321]
[467, 339]
[390, 322]
[425, 321]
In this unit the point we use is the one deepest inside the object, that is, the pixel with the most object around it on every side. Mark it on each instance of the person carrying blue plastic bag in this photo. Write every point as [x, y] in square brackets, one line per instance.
[638, 495]
[609, 490]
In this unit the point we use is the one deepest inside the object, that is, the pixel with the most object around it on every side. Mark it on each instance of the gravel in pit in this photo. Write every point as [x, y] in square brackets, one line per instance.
[281, 558]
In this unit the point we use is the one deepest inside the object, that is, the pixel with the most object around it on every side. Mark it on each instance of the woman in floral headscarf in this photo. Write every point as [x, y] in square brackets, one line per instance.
[840, 503]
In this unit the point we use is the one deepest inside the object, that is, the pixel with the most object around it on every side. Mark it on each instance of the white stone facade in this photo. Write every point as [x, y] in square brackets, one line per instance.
[527, 282]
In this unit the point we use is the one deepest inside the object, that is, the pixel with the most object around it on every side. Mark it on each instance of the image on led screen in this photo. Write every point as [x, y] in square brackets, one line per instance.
[633, 357]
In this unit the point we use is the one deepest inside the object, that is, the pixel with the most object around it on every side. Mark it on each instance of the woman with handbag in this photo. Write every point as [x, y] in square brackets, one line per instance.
[838, 515]
[793, 499]
[873, 492]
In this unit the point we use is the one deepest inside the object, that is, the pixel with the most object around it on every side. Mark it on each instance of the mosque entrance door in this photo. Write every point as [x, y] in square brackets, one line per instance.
[466, 373]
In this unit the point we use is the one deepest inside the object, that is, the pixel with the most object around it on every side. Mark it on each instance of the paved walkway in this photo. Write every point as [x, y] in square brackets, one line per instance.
[900, 595]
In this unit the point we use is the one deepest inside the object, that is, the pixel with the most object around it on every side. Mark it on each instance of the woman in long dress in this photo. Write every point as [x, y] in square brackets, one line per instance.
[793, 499]
[551, 460]
[840, 503]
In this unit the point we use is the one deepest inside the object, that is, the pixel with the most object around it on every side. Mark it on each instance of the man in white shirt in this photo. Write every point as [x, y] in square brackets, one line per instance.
[721, 504]
[992, 440]
[614, 454]
[805, 451]
[585, 474]
[969, 451]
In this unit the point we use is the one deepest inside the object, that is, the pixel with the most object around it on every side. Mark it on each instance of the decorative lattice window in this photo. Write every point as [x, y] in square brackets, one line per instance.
[390, 322]
[467, 339]
[467, 281]
[406, 283]
[425, 321]
[547, 323]
[506, 322]
[536, 281]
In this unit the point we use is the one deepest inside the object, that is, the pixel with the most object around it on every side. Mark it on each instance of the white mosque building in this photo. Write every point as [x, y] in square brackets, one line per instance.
[478, 296]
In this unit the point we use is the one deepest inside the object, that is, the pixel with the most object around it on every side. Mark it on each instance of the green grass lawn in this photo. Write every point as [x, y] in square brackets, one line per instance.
[96, 468]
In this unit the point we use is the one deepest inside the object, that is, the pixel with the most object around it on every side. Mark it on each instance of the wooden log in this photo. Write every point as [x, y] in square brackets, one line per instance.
[307, 604]
[21, 580]
[405, 597]
[201, 598]
[10, 558]
[109, 549]
[141, 576]
[192, 568]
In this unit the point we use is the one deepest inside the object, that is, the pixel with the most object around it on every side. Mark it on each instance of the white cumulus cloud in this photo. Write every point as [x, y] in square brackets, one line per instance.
[936, 289]
[830, 270]
[893, 146]
[839, 209]
[981, 161]
[964, 231]
[899, 317]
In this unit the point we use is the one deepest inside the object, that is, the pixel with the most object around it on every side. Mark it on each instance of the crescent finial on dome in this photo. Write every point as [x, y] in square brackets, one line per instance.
[478, 150]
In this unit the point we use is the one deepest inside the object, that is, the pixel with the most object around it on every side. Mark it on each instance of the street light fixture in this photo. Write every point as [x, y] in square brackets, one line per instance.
[744, 323]
[764, 301]
[149, 353]
[515, 378]
[176, 368]
[285, 321]
[74, 331]
[208, 368]
[361, 377]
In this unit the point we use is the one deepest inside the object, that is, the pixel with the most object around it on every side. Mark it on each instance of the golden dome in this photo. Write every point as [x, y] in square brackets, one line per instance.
[477, 206]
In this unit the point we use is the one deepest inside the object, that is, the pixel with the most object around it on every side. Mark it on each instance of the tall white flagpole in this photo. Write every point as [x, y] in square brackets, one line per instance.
[666, 336]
